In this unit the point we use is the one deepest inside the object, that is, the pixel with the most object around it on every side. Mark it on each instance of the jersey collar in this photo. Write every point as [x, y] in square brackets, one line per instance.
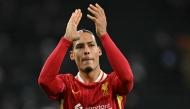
[100, 78]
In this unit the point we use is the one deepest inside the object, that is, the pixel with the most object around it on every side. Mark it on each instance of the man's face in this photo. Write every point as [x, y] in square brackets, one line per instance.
[86, 52]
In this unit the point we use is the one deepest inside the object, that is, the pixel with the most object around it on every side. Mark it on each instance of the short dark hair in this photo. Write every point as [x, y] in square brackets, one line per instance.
[87, 31]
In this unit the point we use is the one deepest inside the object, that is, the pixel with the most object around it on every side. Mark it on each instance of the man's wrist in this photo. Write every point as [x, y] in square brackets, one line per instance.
[102, 34]
[67, 38]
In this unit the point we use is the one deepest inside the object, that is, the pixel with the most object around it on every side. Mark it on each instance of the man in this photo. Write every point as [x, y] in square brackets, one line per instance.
[91, 88]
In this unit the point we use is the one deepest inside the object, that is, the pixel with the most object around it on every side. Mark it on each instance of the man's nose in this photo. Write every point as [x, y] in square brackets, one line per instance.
[86, 50]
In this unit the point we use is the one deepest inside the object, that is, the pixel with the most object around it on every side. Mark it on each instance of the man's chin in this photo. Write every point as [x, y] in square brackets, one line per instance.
[88, 69]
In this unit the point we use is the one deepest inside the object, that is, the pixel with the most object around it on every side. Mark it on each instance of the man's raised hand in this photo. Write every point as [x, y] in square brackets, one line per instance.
[99, 19]
[71, 30]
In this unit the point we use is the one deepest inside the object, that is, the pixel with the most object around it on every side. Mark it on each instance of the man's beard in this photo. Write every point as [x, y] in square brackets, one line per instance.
[88, 69]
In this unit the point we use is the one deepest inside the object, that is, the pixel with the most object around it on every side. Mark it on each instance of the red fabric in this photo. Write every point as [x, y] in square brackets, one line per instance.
[48, 79]
[119, 64]
[89, 96]
[60, 86]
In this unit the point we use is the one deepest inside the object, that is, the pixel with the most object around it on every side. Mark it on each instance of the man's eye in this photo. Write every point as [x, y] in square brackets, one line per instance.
[91, 45]
[78, 47]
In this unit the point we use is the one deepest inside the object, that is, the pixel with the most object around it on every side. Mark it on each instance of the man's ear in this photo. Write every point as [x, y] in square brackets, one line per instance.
[72, 55]
[100, 50]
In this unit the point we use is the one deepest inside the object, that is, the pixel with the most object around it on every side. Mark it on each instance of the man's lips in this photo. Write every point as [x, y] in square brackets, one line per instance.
[87, 59]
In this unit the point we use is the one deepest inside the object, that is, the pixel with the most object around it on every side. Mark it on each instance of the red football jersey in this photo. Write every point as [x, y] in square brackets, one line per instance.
[96, 95]
[107, 92]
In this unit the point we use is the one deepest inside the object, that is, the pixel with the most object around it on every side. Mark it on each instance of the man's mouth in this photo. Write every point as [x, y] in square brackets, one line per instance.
[87, 59]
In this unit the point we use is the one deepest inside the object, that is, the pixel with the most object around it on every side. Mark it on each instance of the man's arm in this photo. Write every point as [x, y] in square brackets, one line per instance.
[48, 80]
[123, 82]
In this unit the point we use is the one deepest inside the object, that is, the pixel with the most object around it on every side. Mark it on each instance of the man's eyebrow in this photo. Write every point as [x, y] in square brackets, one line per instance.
[90, 42]
[83, 43]
[79, 44]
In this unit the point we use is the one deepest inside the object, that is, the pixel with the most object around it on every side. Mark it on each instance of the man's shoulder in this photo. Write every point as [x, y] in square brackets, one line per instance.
[65, 76]
[111, 74]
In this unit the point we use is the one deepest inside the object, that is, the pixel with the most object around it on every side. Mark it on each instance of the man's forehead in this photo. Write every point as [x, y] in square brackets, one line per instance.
[86, 35]
[85, 38]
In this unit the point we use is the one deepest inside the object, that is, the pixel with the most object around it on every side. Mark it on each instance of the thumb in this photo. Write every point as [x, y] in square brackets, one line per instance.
[80, 31]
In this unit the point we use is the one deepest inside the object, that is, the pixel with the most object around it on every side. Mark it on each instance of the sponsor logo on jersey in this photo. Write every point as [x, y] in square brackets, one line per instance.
[78, 106]
[107, 106]
[105, 89]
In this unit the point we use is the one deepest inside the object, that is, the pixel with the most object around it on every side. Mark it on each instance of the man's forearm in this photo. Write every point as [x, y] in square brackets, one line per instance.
[52, 65]
[118, 61]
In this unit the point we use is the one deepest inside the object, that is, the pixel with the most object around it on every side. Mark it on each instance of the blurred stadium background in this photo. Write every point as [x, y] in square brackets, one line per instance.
[154, 35]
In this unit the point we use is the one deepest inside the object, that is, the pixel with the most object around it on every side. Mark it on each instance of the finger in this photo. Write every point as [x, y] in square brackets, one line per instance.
[75, 15]
[78, 13]
[93, 7]
[93, 12]
[71, 18]
[100, 8]
[80, 31]
[79, 17]
[91, 18]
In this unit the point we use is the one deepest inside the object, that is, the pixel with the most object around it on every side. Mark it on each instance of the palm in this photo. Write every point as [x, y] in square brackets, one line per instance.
[71, 30]
[99, 19]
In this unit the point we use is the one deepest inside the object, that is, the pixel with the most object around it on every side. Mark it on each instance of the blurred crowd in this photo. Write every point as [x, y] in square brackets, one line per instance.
[153, 35]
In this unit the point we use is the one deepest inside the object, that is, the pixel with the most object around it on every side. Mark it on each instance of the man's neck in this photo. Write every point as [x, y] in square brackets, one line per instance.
[91, 76]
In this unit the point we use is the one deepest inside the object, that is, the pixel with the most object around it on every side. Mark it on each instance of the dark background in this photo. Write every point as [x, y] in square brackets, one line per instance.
[154, 35]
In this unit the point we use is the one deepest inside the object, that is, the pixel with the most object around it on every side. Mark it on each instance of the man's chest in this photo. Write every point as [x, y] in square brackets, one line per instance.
[90, 95]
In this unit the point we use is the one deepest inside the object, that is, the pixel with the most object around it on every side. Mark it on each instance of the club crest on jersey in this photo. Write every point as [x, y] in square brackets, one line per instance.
[105, 89]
